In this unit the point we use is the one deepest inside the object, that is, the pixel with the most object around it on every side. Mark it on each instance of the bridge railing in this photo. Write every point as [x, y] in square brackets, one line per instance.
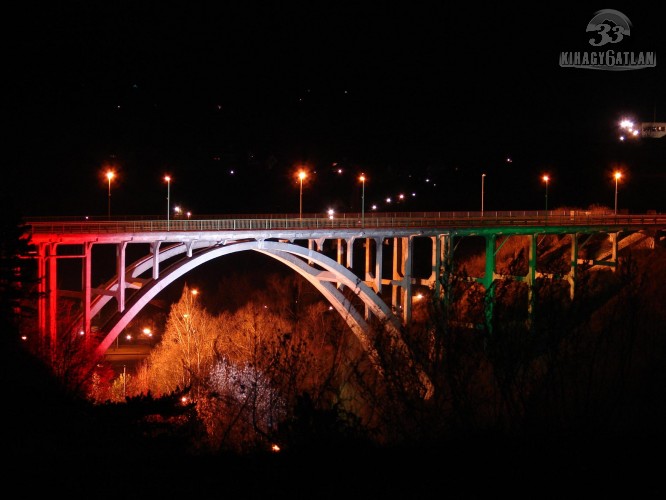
[342, 221]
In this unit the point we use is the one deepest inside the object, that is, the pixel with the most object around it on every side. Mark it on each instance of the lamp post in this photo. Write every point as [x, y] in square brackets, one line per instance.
[546, 179]
[362, 179]
[483, 178]
[167, 178]
[618, 176]
[110, 175]
[301, 175]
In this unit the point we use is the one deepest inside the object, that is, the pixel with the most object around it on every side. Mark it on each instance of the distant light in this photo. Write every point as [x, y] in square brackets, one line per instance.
[388, 200]
[627, 124]
[374, 207]
[81, 332]
[128, 337]
[275, 448]
[401, 196]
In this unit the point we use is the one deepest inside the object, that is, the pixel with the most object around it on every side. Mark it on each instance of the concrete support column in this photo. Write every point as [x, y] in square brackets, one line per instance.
[350, 253]
[120, 270]
[52, 298]
[396, 277]
[488, 281]
[408, 247]
[531, 276]
[379, 263]
[86, 269]
[41, 292]
[155, 250]
[571, 277]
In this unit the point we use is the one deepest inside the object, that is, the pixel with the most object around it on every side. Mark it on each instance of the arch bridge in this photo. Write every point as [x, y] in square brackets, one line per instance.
[370, 267]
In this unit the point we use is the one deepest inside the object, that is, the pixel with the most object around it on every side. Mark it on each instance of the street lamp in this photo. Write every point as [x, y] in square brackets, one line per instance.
[301, 175]
[483, 178]
[618, 176]
[110, 175]
[168, 181]
[362, 179]
[546, 179]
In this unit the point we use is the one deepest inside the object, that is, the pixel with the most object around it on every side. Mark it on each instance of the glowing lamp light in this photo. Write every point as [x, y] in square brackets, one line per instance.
[627, 124]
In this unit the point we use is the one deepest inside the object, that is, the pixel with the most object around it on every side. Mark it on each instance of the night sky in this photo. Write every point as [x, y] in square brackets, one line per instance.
[232, 101]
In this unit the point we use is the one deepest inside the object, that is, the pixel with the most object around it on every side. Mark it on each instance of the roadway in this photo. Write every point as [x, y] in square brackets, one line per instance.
[128, 356]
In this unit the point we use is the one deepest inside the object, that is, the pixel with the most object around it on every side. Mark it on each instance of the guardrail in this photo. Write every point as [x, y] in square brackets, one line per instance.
[345, 221]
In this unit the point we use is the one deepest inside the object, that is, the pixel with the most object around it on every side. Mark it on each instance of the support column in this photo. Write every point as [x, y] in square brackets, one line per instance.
[52, 298]
[408, 247]
[311, 246]
[489, 282]
[531, 277]
[120, 270]
[614, 238]
[87, 287]
[155, 250]
[446, 267]
[379, 263]
[571, 277]
[366, 270]
[395, 279]
[41, 293]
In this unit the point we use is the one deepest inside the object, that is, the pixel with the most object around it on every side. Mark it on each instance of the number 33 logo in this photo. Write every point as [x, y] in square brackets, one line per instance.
[607, 34]
[609, 26]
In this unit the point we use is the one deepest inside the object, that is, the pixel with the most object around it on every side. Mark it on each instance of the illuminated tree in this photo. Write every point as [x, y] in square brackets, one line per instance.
[185, 355]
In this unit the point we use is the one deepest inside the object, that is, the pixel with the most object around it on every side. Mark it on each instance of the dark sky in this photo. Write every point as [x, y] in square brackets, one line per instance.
[422, 98]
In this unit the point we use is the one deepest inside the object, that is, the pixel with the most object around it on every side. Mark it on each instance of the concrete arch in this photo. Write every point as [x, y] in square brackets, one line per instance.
[283, 252]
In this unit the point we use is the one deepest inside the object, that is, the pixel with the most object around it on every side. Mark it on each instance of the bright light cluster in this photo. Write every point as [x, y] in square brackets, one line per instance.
[630, 127]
